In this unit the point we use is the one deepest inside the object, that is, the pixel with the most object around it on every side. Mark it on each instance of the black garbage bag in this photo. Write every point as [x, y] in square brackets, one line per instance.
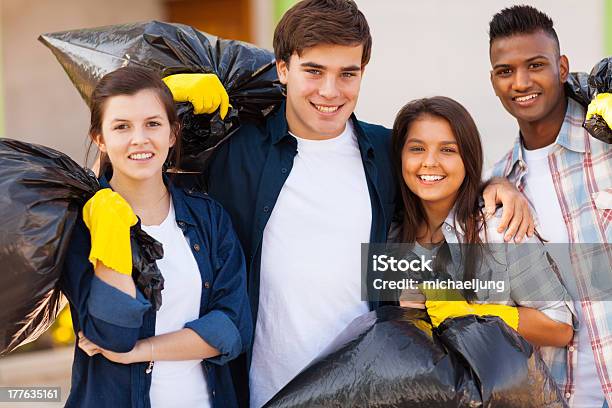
[248, 73]
[43, 192]
[583, 88]
[388, 358]
[145, 272]
[508, 371]
[392, 358]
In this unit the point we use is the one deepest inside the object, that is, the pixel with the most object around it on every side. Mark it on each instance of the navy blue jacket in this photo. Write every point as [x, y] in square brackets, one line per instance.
[247, 173]
[115, 321]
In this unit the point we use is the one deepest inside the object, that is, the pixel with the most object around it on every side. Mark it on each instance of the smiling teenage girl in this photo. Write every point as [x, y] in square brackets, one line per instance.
[204, 320]
[438, 156]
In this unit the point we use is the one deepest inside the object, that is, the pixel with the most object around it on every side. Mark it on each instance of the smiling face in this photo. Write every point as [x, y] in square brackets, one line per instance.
[432, 167]
[528, 75]
[136, 135]
[322, 89]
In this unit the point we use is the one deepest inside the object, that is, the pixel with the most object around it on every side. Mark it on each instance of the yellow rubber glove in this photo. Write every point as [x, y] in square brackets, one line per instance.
[109, 218]
[602, 106]
[449, 304]
[204, 91]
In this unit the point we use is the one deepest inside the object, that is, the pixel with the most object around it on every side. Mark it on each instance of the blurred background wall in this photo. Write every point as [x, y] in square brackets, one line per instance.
[40, 103]
[441, 47]
[421, 48]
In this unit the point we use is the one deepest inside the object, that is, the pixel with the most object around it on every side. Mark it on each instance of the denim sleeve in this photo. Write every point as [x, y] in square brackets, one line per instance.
[106, 316]
[115, 307]
[228, 324]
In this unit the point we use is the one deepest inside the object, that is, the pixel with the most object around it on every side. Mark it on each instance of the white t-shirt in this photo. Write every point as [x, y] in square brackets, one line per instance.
[177, 383]
[540, 190]
[310, 282]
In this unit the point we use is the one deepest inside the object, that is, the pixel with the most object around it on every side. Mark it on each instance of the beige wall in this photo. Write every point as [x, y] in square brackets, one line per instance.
[41, 105]
[262, 23]
[440, 47]
[421, 48]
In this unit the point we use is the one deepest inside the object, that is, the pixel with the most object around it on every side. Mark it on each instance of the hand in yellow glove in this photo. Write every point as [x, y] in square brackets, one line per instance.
[602, 106]
[109, 218]
[442, 305]
[204, 91]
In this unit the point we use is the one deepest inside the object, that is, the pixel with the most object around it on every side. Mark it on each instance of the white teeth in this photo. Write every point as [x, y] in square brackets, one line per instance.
[326, 109]
[141, 156]
[525, 98]
[431, 178]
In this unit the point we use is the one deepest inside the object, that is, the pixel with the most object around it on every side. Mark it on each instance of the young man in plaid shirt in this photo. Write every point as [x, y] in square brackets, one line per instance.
[567, 176]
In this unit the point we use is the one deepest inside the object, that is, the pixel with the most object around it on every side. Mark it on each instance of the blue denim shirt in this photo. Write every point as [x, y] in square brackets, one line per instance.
[247, 173]
[115, 320]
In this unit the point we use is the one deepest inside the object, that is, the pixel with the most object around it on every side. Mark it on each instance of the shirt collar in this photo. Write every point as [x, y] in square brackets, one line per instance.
[571, 134]
[279, 130]
[277, 124]
[451, 231]
[181, 212]
[105, 178]
[517, 155]
[363, 139]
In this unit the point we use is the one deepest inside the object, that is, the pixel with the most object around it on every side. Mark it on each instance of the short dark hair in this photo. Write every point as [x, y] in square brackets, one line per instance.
[130, 80]
[314, 22]
[517, 20]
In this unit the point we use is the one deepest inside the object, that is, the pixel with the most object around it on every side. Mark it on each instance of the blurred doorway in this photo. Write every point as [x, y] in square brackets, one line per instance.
[229, 19]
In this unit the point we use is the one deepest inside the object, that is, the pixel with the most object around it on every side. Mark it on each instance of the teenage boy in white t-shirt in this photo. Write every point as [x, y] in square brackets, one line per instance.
[305, 189]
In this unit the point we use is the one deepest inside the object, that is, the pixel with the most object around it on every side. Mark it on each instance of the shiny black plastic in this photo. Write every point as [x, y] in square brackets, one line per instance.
[583, 88]
[145, 272]
[42, 193]
[393, 358]
[508, 372]
[248, 73]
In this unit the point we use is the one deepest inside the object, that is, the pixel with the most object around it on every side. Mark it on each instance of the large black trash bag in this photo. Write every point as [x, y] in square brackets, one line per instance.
[248, 73]
[42, 191]
[383, 359]
[508, 371]
[583, 88]
[392, 358]
[42, 194]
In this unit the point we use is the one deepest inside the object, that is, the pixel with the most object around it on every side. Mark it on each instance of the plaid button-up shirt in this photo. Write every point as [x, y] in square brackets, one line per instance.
[581, 168]
[529, 276]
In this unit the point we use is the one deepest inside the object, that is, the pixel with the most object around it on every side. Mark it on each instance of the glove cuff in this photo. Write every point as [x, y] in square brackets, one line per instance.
[115, 254]
[509, 314]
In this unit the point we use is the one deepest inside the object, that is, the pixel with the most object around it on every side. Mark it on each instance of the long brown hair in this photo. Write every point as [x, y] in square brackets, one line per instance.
[129, 81]
[468, 214]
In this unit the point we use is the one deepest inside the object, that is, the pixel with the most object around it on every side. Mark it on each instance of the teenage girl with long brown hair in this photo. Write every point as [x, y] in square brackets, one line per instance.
[438, 159]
